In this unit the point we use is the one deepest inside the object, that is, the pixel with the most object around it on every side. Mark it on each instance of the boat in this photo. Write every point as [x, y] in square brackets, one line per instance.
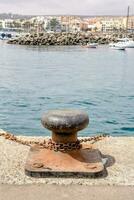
[128, 43]
[125, 42]
[118, 47]
[91, 45]
[5, 36]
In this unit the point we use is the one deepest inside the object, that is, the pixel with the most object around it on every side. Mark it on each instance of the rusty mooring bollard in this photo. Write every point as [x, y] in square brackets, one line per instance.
[64, 155]
[65, 124]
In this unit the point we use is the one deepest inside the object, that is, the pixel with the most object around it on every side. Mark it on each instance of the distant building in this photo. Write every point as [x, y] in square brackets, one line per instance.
[112, 24]
[70, 23]
[131, 23]
[8, 23]
[65, 23]
[92, 24]
[83, 26]
[1, 24]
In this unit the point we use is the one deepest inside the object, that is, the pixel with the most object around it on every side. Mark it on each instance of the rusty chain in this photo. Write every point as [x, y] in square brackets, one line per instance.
[51, 144]
[63, 146]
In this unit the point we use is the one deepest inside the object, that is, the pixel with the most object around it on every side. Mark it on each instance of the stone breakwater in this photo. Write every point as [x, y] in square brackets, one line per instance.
[62, 39]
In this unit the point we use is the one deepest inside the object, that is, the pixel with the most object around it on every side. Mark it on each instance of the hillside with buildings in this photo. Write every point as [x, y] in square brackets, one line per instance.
[37, 24]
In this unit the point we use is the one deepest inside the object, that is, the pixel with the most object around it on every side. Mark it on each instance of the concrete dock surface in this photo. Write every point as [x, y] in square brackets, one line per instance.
[120, 166]
[57, 192]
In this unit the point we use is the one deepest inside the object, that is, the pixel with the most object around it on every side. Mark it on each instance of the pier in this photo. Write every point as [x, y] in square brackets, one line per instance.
[119, 174]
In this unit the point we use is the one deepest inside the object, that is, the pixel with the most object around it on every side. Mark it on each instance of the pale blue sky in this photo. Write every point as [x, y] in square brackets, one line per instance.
[76, 7]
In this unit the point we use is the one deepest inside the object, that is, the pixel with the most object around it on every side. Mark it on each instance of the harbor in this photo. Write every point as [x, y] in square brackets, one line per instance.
[66, 100]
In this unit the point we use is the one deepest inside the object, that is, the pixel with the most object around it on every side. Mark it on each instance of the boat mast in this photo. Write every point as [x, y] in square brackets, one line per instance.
[128, 9]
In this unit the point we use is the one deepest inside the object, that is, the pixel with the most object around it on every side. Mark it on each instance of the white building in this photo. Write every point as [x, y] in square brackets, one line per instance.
[112, 24]
[8, 23]
[1, 23]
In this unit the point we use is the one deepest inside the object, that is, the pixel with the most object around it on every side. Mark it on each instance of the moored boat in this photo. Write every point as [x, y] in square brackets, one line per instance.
[91, 45]
[128, 43]
[125, 42]
[118, 47]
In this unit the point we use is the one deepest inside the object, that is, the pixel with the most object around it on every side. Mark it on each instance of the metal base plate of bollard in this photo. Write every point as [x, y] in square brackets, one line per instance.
[67, 161]
[47, 163]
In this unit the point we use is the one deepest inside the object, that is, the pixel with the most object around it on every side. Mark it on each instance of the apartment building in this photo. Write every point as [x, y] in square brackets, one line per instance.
[131, 23]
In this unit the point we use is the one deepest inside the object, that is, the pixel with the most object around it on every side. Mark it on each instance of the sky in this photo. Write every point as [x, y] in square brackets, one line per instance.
[67, 7]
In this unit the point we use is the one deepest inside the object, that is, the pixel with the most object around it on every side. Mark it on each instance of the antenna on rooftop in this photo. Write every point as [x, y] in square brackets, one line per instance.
[128, 10]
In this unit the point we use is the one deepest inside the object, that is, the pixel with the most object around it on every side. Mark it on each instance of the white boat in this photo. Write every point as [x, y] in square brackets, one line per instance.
[125, 42]
[128, 43]
[91, 45]
[118, 47]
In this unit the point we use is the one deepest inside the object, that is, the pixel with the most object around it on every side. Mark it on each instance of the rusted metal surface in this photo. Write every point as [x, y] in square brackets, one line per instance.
[44, 162]
[64, 155]
[65, 124]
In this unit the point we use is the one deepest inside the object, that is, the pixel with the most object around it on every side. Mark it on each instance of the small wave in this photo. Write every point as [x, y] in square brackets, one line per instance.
[3, 88]
[111, 122]
[131, 119]
[36, 109]
[131, 129]
[128, 97]
[83, 103]
[131, 97]
[20, 105]
[45, 98]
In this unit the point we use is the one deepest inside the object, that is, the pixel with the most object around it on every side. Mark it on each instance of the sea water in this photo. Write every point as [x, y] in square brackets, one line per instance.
[34, 80]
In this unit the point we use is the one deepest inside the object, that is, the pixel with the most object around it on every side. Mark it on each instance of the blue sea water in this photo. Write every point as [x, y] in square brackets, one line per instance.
[34, 80]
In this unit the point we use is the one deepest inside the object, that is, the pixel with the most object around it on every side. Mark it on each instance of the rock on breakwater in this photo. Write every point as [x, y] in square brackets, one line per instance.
[62, 39]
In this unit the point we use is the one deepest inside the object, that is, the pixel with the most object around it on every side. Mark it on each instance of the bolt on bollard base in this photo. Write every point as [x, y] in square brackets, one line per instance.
[64, 157]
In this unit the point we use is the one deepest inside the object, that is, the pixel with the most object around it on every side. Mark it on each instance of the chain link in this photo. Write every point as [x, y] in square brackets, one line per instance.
[51, 144]
[63, 146]
[94, 138]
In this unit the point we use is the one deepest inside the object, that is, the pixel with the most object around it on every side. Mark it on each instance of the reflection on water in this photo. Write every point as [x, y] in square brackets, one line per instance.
[36, 79]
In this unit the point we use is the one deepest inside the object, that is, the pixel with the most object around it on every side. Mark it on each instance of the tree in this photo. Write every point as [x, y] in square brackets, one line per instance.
[53, 24]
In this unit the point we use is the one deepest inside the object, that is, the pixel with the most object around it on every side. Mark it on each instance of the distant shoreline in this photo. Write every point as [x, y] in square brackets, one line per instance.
[27, 16]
